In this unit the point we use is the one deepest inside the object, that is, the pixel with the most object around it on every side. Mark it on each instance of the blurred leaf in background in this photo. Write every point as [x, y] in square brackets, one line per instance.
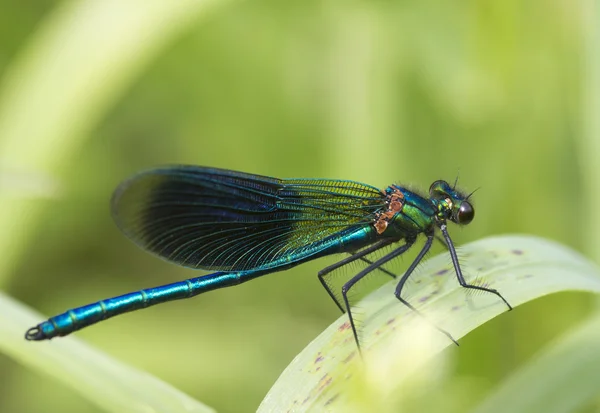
[379, 92]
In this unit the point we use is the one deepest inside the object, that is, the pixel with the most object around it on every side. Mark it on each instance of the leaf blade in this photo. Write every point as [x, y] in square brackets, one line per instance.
[521, 267]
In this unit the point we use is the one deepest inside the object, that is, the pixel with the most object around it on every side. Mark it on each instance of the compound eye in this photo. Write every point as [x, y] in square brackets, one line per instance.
[465, 214]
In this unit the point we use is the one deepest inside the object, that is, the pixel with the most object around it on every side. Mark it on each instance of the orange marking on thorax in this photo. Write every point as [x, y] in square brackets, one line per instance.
[395, 202]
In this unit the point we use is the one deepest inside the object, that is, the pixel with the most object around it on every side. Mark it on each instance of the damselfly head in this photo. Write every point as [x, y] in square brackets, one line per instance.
[450, 203]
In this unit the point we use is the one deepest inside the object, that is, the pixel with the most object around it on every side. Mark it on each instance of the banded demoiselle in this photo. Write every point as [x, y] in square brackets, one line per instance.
[244, 226]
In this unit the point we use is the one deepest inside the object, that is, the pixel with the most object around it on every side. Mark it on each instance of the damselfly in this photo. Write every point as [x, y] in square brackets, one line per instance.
[244, 226]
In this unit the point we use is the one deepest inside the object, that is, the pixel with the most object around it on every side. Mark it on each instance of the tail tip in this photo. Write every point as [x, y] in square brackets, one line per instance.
[35, 334]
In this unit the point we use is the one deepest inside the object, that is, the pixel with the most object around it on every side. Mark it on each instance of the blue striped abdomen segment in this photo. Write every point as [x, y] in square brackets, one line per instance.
[78, 318]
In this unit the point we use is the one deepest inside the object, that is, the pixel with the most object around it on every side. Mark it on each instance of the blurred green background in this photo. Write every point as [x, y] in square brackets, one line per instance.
[379, 92]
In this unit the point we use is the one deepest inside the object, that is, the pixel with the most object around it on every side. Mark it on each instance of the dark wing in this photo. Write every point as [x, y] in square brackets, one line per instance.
[232, 221]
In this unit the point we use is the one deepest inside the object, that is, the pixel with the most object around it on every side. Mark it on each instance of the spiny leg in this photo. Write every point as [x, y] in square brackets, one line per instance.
[383, 270]
[348, 260]
[458, 271]
[346, 288]
[405, 277]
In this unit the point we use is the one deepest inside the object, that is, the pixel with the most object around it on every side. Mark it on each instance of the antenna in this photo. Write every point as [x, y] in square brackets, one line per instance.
[456, 180]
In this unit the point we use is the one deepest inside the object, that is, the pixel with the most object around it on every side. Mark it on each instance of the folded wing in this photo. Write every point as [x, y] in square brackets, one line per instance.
[224, 220]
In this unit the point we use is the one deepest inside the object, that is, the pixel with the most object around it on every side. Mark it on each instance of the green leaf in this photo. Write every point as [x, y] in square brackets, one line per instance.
[110, 384]
[561, 378]
[329, 375]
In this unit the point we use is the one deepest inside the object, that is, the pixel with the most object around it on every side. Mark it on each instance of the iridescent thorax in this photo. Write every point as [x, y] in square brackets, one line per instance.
[406, 213]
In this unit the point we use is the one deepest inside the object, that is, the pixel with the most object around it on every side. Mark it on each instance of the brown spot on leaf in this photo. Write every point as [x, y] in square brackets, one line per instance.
[331, 399]
[350, 357]
[324, 382]
[344, 326]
